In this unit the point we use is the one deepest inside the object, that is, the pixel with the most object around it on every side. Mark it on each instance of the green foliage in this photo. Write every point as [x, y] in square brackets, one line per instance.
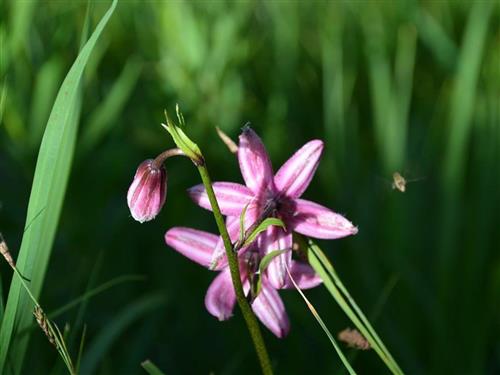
[325, 270]
[47, 195]
[266, 223]
[151, 368]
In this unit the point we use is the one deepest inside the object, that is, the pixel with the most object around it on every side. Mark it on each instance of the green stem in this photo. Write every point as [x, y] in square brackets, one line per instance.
[232, 258]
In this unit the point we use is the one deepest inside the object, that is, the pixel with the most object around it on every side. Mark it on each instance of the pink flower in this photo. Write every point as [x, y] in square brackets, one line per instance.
[148, 191]
[268, 194]
[220, 298]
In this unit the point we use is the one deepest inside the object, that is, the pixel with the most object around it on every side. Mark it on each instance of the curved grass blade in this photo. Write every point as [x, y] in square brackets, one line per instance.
[95, 291]
[114, 329]
[151, 368]
[48, 190]
[323, 325]
[332, 282]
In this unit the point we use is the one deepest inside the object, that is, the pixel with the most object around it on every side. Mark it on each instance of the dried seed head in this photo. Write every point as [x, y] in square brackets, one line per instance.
[4, 250]
[354, 339]
[42, 321]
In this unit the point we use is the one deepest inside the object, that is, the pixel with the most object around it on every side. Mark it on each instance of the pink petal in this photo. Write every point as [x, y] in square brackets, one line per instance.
[232, 198]
[219, 259]
[304, 275]
[255, 165]
[269, 308]
[220, 297]
[146, 195]
[294, 176]
[194, 244]
[314, 220]
[277, 239]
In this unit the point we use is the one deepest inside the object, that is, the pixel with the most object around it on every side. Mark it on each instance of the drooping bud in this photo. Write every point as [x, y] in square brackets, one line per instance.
[148, 191]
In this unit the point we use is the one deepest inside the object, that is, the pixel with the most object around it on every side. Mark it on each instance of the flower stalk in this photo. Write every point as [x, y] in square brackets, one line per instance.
[248, 315]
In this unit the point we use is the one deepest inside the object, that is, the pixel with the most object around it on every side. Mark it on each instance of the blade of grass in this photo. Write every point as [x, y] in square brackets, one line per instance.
[48, 190]
[103, 118]
[85, 297]
[323, 325]
[3, 67]
[377, 309]
[325, 270]
[47, 82]
[121, 321]
[80, 349]
[2, 306]
[151, 368]
[461, 111]
[95, 291]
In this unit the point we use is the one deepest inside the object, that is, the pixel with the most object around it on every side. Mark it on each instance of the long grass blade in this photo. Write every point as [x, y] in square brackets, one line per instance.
[48, 190]
[151, 368]
[95, 291]
[103, 342]
[102, 120]
[332, 282]
[323, 325]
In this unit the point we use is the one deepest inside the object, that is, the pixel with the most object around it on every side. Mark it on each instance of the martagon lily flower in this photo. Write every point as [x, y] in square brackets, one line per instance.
[274, 195]
[220, 298]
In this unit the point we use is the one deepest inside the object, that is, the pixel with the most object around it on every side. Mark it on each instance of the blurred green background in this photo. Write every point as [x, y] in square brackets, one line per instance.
[389, 86]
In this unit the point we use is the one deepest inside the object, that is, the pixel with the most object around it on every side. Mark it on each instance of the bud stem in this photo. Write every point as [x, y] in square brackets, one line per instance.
[160, 159]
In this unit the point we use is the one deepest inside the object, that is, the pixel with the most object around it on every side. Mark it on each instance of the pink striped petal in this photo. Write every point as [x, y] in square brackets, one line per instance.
[255, 165]
[276, 238]
[303, 274]
[220, 297]
[219, 259]
[314, 220]
[146, 195]
[269, 308]
[195, 244]
[232, 198]
[294, 176]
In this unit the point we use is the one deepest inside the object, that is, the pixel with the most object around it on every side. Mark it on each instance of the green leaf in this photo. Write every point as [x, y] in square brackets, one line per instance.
[2, 307]
[151, 368]
[104, 117]
[47, 194]
[262, 227]
[182, 141]
[242, 222]
[332, 282]
[256, 284]
[264, 262]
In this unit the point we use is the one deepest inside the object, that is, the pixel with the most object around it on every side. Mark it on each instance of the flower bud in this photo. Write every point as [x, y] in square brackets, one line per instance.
[148, 191]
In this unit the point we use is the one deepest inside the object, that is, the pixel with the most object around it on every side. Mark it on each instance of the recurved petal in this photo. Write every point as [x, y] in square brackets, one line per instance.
[294, 176]
[255, 165]
[303, 274]
[195, 244]
[220, 297]
[314, 220]
[276, 238]
[232, 198]
[219, 259]
[269, 308]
